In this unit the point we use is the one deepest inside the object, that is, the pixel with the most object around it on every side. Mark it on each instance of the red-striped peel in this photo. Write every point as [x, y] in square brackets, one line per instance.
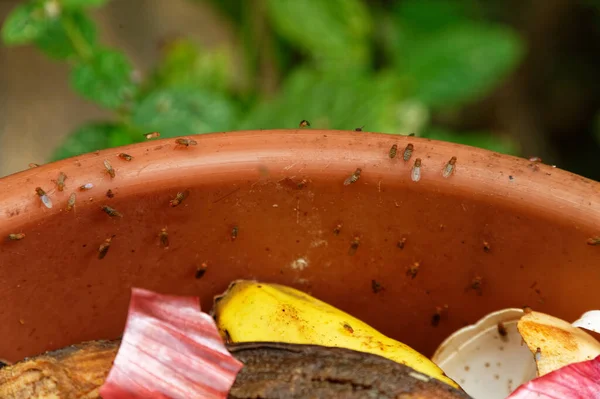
[575, 381]
[170, 349]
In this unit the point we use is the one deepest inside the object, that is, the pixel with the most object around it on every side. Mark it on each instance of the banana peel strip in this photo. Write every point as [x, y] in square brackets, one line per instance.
[556, 343]
[170, 349]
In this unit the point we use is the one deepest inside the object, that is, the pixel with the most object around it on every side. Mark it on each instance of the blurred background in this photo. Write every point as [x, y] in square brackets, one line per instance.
[518, 77]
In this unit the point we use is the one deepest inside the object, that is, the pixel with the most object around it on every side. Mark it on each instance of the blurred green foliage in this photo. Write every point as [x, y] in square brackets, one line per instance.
[341, 64]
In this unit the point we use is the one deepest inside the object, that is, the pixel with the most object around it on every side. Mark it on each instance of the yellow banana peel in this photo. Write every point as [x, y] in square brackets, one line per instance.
[251, 311]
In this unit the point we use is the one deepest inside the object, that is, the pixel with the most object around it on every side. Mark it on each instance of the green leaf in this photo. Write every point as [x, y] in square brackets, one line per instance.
[95, 136]
[185, 65]
[331, 101]
[57, 43]
[79, 4]
[25, 23]
[331, 31]
[459, 64]
[426, 17]
[182, 111]
[105, 78]
[484, 140]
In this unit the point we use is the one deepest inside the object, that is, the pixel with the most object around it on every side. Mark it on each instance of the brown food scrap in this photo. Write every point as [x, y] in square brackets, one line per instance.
[16, 236]
[179, 198]
[164, 237]
[104, 247]
[304, 123]
[413, 270]
[110, 193]
[594, 240]
[60, 182]
[401, 243]
[376, 287]
[185, 142]
[125, 157]
[151, 135]
[354, 245]
[337, 229]
[393, 151]
[200, 270]
[111, 211]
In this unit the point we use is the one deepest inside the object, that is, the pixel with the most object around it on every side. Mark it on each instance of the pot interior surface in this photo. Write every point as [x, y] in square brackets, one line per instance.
[520, 230]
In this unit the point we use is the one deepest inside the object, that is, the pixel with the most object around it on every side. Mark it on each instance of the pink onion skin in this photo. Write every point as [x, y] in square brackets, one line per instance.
[575, 381]
[170, 349]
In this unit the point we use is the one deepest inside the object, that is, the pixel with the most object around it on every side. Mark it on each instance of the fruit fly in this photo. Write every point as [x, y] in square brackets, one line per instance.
[16, 236]
[125, 157]
[376, 287]
[109, 193]
[33, 165]
[234, 233]
[200, 270]
[413, 269]
[411, 135]
[60, 182]
[593, 240]
[109, 169]
[86, 186]
[393, 151]
[538, 354]
[337, 229]
[408, 152]
[104, 247]
[437, 316]
[111, 211]
[304, 123]
[449, 168]
[401, 243]
[415, 173]
[152, 135]
[359, 129]
[354, 246]
[502, 330]
[179, 198]
[44, 197]
[185, 142]
[535, 159]
[353, 177]
[71, 201]
[486, 246]
[164, 238]
[348, 328]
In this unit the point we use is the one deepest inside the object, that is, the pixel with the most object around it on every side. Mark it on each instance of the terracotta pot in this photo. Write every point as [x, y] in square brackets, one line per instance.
[535, 220]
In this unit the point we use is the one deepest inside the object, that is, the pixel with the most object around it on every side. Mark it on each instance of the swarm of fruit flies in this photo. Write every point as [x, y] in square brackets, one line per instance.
[152, 135]
[71, 201]
[43, 197]
[179, 198]
[60, 181]
[104, 247]
[415, 173]
[111, 211]
[393, 151]
[304, 123]
[109, 169]
[353, 177]
[185, 142]
[413, 270]
[16, 236]
[408, 152]
[125, 157]
[164, 238]
[449, 168]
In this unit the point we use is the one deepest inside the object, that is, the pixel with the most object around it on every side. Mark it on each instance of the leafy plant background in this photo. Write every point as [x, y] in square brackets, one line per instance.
[390, 66]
